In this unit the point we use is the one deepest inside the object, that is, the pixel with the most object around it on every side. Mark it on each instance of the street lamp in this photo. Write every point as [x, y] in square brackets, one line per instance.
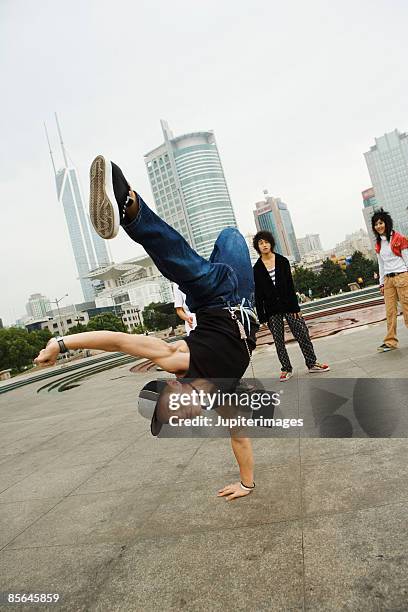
[57, 301]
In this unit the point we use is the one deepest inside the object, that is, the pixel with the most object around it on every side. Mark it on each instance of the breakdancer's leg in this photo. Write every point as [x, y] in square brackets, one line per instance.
[114, 203]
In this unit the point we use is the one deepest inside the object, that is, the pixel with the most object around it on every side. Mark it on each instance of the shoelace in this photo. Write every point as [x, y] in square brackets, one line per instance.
[248, 312]
[128, 202]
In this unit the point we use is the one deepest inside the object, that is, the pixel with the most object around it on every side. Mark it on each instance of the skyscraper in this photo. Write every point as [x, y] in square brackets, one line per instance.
[38, 305]
[89, 249]
[273, 215]
[369, 207]
[309, 243]
[189, 187]
[387, 163]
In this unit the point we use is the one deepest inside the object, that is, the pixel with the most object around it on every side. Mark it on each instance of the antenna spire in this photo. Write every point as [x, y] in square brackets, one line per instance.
[49, 147]
[64, 153]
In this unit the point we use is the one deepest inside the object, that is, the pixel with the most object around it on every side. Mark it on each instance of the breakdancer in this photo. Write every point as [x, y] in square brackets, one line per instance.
[220, 291]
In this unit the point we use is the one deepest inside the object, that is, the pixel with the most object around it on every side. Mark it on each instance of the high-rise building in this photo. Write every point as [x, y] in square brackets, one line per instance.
[253, 254]
[309, 243]
[37, 306]
[357, 241]
[89, 249]
[387, 163]
[189, 187]
[273, 215]
[369, 207]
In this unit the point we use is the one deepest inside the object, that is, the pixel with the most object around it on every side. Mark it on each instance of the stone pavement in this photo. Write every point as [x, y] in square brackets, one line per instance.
[94, 508]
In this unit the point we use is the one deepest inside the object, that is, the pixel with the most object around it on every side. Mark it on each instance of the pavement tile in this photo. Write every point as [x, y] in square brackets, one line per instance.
[92, 451]
[93, 519]
[140, 470]
[194, 506]
[66, 440]
[215, 456]
[356, 481]
[17, 516]
[149, 446]
[33, 441]
[357, 561]
[253, 568]
[48, 482]
[75, 572]
[18, 467]
[316, 450]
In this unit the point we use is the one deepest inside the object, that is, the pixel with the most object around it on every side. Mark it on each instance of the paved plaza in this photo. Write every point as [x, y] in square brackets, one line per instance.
[95, 509]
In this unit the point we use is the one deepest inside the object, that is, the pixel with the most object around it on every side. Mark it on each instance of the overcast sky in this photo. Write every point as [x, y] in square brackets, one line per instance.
[295, 92]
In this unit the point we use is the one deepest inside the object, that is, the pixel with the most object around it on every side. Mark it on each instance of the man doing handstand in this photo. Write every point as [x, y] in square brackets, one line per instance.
[220, 291]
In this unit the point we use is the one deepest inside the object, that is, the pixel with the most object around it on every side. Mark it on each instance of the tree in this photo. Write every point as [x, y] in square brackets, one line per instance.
[155, 319]
[304, 280]
[107, 321]
[77, 329]
[18, 347]
[331, 278]
[363, 267]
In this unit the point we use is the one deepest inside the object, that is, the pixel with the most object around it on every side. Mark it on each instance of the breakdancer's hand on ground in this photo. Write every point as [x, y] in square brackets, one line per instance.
[233, 491]
[48, 355]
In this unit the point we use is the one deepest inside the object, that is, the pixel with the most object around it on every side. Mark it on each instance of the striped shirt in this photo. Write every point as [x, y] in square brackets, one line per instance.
[271, 273]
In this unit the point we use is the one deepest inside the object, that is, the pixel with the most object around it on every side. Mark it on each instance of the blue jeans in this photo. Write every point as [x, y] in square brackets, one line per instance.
[225, 279]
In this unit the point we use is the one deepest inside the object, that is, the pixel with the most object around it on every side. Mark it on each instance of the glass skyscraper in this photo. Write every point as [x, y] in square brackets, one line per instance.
[273, 215]
[89, 249]
[387, 163]
[189, 187]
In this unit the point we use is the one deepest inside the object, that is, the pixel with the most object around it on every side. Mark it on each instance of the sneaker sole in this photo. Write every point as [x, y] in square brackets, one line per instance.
[103, 210]
[319, 371]
[387, 350]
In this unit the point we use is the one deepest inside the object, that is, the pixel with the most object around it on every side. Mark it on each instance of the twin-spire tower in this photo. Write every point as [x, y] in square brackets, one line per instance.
[89, 249]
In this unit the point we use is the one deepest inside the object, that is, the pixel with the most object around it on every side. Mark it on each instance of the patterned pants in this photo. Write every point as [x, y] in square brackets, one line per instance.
[300, 332]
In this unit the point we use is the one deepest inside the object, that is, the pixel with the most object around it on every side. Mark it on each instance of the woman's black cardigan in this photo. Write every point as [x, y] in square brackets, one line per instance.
[273, 298]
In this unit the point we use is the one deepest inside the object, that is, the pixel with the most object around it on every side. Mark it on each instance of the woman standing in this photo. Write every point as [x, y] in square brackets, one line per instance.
[392, 254]
[275, 298]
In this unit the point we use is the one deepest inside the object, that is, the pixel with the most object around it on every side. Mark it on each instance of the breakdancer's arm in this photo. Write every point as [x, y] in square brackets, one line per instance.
[242, 448]
[172, 357]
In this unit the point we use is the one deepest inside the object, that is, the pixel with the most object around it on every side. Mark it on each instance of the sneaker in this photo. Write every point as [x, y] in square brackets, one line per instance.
[319, 367]
[285, 375]
[109, 197]
[384, 348]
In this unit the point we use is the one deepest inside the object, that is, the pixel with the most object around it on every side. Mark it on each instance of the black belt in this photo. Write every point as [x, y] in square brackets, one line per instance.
[392, 274]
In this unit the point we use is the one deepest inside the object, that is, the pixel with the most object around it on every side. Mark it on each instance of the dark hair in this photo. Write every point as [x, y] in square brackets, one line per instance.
[382, 215]
[263, 235]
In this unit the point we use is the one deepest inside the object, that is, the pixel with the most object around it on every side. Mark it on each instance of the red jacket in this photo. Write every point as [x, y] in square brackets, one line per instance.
[398, 243]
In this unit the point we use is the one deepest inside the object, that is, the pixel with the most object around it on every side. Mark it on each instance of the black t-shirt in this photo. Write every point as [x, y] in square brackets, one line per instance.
[216, 347]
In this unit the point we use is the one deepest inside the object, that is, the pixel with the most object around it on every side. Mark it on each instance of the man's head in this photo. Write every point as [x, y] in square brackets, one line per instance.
[162, 399]
[264, 242]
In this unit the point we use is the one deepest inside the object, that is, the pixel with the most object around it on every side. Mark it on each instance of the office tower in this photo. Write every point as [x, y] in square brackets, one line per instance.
[37, 306]
[253, 254]
[273, 215]
[387, 163]
[189, 187]
[357, 241]
[369, 207]
[89, 249]
[309, 243]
